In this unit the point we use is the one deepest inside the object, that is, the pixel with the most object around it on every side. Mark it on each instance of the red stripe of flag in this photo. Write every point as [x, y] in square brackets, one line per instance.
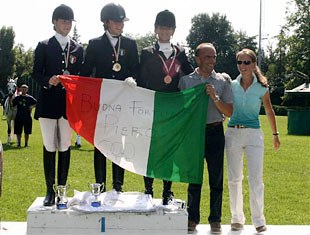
[84, 93]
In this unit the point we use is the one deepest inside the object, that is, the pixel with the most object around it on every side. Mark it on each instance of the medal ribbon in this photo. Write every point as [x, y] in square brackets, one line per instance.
[67, 55]
[164, 63]
[116, 53]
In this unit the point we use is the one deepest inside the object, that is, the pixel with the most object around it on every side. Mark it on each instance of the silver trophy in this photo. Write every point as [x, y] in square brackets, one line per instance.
[96, 191]
[61, 196]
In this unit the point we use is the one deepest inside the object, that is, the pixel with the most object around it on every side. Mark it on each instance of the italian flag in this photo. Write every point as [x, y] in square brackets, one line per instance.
[155, 134]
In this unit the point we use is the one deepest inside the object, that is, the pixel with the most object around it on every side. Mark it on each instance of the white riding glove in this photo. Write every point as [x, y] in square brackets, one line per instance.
[130, 82]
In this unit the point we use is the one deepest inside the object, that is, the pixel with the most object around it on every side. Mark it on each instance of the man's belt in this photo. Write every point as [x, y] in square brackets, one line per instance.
[213, 124]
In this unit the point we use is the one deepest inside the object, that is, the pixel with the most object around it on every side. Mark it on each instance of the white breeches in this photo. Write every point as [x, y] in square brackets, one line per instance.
[56, 134]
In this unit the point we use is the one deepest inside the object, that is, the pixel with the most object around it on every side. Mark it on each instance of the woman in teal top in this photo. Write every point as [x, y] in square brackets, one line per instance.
[243, 134]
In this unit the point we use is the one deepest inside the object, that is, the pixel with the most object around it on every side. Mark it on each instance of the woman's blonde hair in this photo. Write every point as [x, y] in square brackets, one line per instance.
[261, 78]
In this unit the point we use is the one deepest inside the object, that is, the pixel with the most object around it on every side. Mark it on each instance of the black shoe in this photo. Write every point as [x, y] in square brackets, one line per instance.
[191, 227]
[150, 192]
[26, 145]
[49, 199]
[168, 197]
[118, 188]
[215, 227]
[78, 145]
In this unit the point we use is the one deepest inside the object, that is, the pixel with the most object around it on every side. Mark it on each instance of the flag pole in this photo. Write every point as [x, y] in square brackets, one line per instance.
[259, 61]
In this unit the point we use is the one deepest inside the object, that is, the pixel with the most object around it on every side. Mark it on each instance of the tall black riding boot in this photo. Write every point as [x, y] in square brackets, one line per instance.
[148, 185]
[49, 172]
[63, 167]
[100, 167]
[118, 177]
[167, 193]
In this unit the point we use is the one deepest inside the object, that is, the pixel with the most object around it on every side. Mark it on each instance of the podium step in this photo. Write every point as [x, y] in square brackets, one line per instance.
[49, 220]
[20, 228]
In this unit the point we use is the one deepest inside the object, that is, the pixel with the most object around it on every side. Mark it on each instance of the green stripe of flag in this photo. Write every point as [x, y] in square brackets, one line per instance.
[178, 134]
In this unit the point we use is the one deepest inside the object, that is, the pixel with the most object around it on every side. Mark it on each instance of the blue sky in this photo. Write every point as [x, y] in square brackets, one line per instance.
[31, 19]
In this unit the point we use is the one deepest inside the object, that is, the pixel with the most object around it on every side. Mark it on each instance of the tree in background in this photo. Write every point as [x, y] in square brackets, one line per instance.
[23, 63]
[76, 37]
[144, 41]
[297, 41]
[273, 64]
[294, 41]
[7, 58]
[244, 41]
[23, 68]
[218, 31]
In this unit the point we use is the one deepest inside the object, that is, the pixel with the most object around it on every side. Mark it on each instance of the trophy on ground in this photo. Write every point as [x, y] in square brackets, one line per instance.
[96, 191]
[61, 196]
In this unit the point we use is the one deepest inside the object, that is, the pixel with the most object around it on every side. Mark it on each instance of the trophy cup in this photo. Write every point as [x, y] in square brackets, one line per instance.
[96, 190]
[61, 196]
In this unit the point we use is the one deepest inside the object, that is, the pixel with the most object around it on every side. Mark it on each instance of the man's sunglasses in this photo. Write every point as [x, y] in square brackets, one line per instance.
[247, 62]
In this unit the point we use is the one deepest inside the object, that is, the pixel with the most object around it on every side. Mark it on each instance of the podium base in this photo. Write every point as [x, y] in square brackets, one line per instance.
[49, 220]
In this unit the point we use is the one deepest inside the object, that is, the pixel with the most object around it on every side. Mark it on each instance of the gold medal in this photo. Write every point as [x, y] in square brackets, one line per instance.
[66, 72]
[117, 67]
[167, 79]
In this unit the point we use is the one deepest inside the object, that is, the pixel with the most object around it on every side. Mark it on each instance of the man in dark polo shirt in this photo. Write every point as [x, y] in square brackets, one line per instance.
[23, 120]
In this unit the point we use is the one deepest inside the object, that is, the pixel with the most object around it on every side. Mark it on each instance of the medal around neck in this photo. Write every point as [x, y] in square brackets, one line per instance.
[117, 67]
[66, 72]
[167, 79]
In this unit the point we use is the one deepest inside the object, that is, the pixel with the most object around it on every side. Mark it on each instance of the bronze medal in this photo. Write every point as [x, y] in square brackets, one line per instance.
[167, 79]
[66, 72]
[117, 67]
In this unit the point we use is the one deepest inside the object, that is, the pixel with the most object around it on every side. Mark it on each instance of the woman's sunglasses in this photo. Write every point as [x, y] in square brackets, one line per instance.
[247, 62]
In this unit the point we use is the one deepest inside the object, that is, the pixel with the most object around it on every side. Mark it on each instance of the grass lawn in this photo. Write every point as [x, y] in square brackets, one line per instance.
[286, 178]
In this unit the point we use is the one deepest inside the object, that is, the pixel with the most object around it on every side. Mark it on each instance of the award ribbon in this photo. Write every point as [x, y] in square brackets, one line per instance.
[167, 78]
[66, 56]
[116, 67]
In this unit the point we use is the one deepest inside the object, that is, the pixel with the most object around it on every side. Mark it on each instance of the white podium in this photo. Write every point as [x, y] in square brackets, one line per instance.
[49, 220]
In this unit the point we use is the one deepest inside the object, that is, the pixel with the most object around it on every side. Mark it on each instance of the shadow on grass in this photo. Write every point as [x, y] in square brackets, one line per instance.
[12, 146]
[76, 148]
